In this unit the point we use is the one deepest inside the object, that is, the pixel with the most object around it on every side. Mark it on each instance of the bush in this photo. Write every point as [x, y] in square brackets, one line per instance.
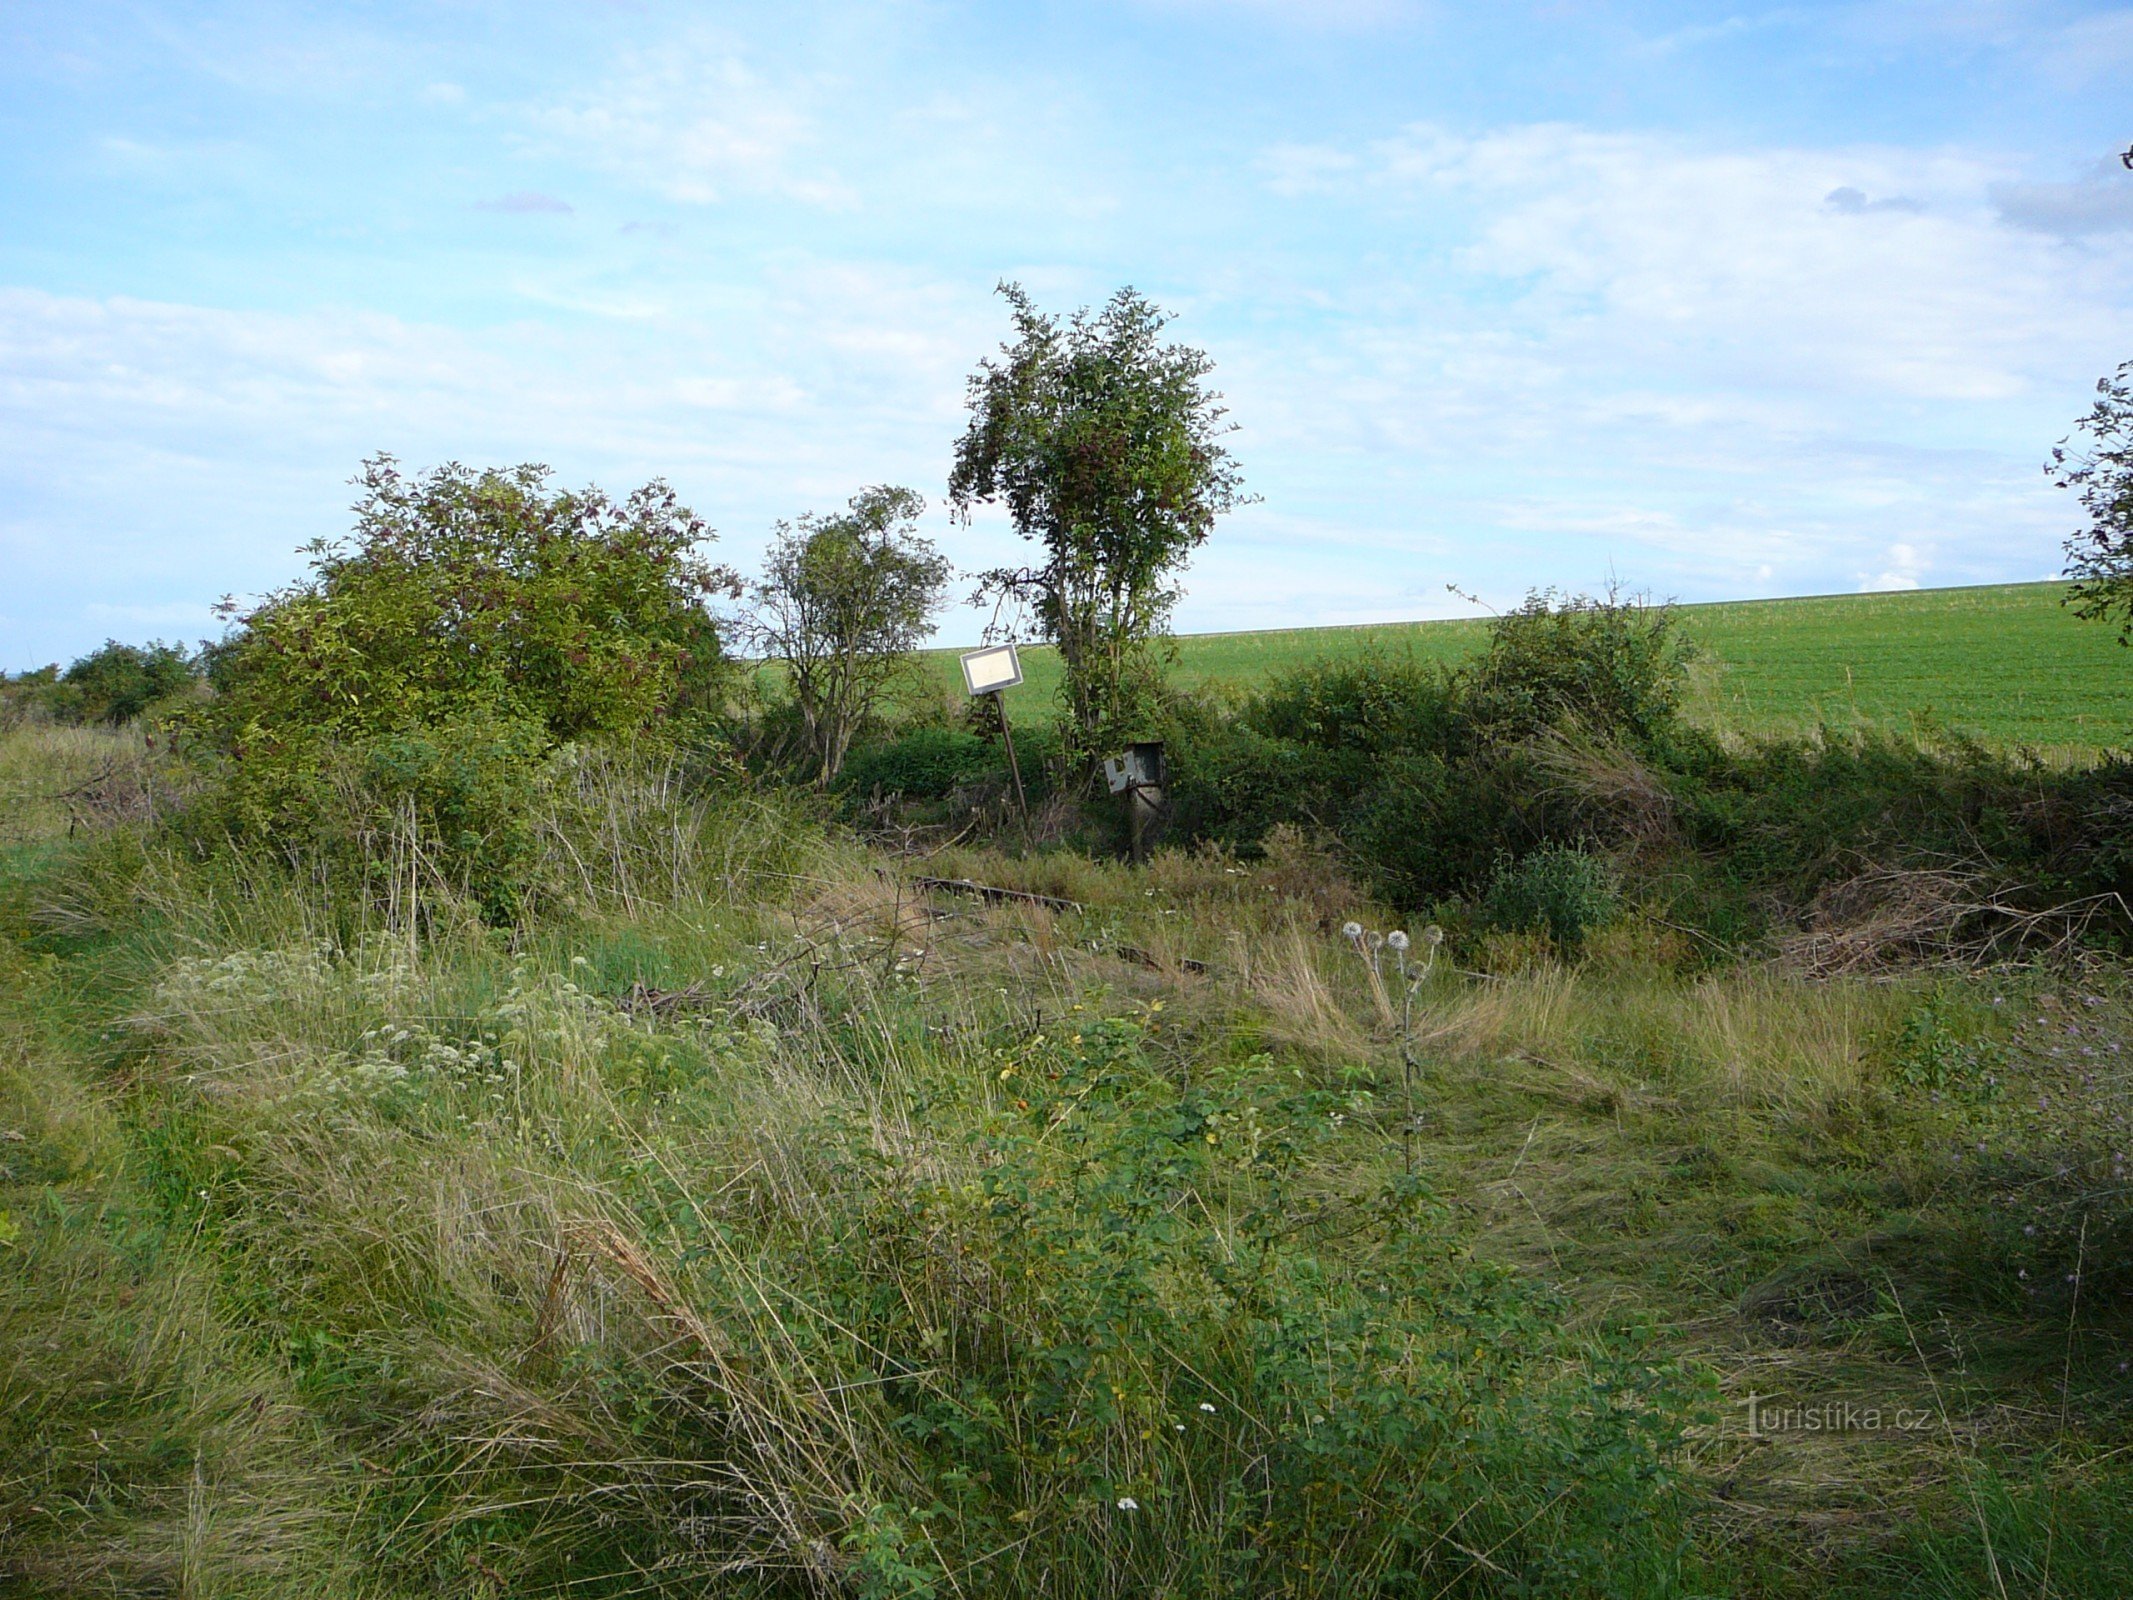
[412, 688]
[1566, 733]
[400, 818]
[1232, 785]
[1365, 706]
[1428, 777]
[462, 793]
[113, 684]
[1613, 667]
[1559, 891]
[925, 764]
[460, 590]
[121, 681]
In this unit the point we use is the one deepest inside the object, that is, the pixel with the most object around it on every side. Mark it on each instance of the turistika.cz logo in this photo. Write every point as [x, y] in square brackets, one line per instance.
[1768, 1415]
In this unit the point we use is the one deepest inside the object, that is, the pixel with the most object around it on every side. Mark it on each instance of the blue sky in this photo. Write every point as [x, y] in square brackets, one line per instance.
[1711, 303]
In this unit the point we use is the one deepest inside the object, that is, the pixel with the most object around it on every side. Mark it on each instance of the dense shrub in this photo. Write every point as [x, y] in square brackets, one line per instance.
[1613, 667]
[1565, 735]
[419, 677]
[1558, 890]
[119, 682]
[1429, 828]
[1430, 777]
[459, 590]
[113, 684]
[924, 764]
[1232, 785]
[1368, 707]
[467, 787]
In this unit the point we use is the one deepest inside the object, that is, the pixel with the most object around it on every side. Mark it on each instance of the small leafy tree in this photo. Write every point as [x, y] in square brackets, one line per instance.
[461, 590]
[843, 601]
[1614, 665]
[2100, 557]
[1105, 444]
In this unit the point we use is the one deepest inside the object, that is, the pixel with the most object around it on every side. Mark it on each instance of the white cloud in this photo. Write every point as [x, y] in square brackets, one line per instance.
[527, 203]
[695, 123]
[154, 455]
[740, 394]
[1703, 33]
[1759, 272]
[1854, 202]
[1611, 348]
[1295, 169]
[1340, 16]
[1904, 570]
[2093, 49]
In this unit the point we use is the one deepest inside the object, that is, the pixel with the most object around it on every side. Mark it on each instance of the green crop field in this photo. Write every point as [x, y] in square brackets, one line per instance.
[2007, 664]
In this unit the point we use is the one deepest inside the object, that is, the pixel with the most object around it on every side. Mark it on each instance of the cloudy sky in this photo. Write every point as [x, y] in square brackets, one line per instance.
[1714, 304]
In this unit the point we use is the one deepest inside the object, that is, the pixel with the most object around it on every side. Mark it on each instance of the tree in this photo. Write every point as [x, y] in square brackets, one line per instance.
[843, 601]
[1105, 445]
[2100, 557]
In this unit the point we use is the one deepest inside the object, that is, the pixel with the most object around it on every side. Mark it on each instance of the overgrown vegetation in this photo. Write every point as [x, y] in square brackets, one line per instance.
[2006, 664]
[750, 1219]
[1564, 740]
[401, 712]
[471, 1125]
[110, 686]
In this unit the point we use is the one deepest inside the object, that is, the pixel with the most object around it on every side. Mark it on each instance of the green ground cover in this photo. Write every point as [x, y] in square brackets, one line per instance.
[757, 1221]
[2005, 663]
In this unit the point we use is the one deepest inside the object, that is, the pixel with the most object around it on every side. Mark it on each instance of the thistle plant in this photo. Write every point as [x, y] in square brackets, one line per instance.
[1410, 970]
[1410, 967]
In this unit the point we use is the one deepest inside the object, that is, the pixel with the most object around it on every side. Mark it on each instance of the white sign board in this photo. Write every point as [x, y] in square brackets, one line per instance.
[994, 668]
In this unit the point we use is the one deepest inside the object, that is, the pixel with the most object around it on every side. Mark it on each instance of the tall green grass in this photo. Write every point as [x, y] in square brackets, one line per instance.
[750, 1222]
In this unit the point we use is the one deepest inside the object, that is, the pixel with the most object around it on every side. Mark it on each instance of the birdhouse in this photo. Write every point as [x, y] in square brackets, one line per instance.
[1141, 767]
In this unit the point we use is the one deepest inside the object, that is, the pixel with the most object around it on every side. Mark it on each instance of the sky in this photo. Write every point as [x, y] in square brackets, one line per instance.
[1706, 304]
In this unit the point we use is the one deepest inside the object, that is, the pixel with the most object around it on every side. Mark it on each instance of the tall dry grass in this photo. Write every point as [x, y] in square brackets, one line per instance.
[56, 780]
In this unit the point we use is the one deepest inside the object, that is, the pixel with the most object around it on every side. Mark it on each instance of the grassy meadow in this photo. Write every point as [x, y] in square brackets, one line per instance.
[2007, 664]
[758, 1222]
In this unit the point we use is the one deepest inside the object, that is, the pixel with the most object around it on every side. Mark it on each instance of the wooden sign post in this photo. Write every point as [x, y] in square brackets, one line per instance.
[994, 670]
